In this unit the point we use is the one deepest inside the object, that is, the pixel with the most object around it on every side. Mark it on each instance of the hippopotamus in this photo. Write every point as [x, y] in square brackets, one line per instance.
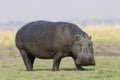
[54, 40]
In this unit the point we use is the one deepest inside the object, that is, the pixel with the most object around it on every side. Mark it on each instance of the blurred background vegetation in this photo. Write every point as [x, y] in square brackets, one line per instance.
[101, 34]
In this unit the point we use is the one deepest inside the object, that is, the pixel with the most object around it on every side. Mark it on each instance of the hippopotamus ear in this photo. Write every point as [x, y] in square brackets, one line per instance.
[90, 37]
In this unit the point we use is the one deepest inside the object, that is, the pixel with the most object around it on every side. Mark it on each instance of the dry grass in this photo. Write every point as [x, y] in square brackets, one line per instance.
[100, 34]
[7, 39]
[104, 34]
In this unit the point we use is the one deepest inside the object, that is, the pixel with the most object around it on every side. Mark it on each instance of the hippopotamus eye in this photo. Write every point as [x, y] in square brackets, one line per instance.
[80, 45]
[90, 45]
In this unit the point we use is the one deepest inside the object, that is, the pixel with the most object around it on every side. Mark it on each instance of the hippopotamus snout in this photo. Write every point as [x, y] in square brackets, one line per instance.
[85, 60]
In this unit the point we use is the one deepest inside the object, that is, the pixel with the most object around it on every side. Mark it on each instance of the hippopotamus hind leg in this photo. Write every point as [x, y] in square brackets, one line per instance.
[28, 59]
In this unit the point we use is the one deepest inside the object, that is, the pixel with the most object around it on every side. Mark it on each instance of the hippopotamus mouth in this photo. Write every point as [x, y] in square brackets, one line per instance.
[85, 61]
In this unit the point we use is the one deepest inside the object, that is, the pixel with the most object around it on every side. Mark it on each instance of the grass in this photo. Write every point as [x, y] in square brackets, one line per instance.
[100, 34]
[104, 34]
[107, 68]
[7, 39]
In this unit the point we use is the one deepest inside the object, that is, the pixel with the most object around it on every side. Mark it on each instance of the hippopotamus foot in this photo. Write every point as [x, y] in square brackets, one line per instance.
[55, 69]
[79, 67]
[29, 69]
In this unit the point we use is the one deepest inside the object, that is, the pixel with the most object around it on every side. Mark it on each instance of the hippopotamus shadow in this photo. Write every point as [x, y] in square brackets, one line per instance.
[65, 69]
[62, 69]
[75, 69]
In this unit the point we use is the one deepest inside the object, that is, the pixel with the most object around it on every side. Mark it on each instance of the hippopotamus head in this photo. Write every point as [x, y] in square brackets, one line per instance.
[83, 50]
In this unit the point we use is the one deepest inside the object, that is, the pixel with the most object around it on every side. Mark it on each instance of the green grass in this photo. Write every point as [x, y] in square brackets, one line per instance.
[107, 68]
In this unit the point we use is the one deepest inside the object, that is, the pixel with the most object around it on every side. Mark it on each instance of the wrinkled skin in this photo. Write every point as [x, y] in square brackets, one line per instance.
[54, 40]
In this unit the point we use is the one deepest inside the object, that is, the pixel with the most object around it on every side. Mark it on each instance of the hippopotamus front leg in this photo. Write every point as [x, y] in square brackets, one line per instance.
[79, 67]
[56, 61]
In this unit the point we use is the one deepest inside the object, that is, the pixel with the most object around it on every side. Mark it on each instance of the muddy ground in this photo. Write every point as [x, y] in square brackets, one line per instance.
[99, 50]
